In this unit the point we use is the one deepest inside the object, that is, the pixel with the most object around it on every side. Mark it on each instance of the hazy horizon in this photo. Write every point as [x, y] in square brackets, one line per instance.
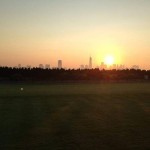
[37, 32]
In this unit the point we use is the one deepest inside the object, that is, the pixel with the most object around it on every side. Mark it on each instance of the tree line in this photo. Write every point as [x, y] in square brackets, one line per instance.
[38, 74]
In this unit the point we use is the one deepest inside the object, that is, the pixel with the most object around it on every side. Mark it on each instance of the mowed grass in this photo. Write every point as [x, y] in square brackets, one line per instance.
[75, 116]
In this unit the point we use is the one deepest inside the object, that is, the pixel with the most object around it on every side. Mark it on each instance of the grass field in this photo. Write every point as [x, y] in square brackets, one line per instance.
[75, 116]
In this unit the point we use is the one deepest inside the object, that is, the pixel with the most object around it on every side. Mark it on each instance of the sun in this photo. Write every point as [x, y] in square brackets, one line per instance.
[109, 60]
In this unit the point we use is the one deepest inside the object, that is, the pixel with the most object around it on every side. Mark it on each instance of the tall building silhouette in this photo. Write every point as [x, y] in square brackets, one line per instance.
[59, 64]
[86, 67]
[90, 63]
[41, 66]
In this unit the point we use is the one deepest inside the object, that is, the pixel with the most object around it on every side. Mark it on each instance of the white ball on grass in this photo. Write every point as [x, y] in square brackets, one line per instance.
[21, 89]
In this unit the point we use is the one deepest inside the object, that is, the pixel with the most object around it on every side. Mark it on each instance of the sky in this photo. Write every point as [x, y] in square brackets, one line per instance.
[37, 32]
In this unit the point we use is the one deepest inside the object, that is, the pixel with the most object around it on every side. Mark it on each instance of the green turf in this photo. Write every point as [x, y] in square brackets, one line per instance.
[75, 117]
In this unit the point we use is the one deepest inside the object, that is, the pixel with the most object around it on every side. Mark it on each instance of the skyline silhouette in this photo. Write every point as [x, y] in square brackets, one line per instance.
[59, 65]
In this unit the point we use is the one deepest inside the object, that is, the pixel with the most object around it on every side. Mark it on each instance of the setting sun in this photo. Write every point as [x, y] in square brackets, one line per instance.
[109, 60]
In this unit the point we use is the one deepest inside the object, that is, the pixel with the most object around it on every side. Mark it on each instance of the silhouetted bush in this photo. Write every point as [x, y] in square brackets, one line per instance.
[37, 74]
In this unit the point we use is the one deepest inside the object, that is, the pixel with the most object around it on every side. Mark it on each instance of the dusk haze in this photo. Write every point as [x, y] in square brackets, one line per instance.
[37, 32]
[74, 74]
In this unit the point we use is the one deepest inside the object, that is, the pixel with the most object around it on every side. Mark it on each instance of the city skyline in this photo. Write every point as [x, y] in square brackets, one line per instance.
[101, 66]
[37, 31]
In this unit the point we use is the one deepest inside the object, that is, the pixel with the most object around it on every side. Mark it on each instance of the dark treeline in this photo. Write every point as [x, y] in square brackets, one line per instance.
[37, 74]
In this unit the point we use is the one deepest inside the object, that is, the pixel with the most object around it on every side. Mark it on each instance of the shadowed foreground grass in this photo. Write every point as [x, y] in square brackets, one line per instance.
[75, 117]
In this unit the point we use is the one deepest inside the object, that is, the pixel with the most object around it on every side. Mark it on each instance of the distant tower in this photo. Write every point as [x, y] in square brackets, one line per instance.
[59, 64]
[90, 63]
[86, 67]
[41, 66]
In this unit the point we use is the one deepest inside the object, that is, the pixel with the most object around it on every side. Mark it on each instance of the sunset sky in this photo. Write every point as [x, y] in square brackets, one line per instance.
[42, 31]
